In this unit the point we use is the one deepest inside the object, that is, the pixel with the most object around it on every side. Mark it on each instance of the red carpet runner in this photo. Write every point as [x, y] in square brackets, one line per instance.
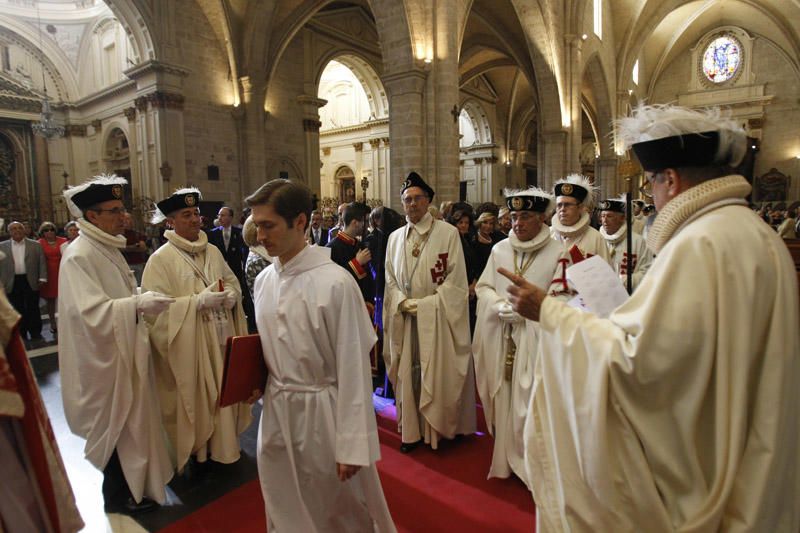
[427, 491]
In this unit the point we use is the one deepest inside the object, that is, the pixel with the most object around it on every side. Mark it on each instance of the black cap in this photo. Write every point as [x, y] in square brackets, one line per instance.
[615, 205]
[415, 180]
[527, 202]
[179, 200]
[572, 189]
[97, 193]
[690, 150]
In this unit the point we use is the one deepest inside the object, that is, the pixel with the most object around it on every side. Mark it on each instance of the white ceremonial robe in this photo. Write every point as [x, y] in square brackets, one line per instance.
[189, 353]
[438, 336]
[107, 381]
[618, 250]
[505, 402]
[638, 223]
[679, 411]
[580, 240]
[318, 410]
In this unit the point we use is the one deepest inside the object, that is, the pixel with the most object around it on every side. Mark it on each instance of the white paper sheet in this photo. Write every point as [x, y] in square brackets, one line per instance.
[600, 289]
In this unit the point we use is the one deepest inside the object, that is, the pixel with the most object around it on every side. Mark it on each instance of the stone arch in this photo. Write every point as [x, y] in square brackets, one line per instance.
[49, 56]
[652, 14]
[365, 72]
[277, 167]
[137, 18]
[480, 122]
[601, 104]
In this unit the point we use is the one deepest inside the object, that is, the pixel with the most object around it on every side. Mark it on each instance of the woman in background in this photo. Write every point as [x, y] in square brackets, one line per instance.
[72, 231]
[51, 245]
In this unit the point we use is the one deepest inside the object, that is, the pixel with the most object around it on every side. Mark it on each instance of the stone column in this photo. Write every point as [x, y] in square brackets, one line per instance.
[606, 177]
[573, 46]
[375, 182]
[42, 180]
[406, 116]
[311, 126]
[552, 158]
[359, 170]
[139, 187]
[442, 97]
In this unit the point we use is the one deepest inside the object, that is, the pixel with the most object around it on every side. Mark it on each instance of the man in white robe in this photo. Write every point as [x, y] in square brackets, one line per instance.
[188, 340]
[107, 382]
[318, 440]
[679, 411]
[505, 344]
[615, 231]
[426, 325]
[570, 224]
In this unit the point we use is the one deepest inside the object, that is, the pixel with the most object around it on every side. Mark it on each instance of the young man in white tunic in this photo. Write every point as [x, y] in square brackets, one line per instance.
[189, 339]
[505, 344]
[615, 231]
[107, 381]
[427, 345]
[318, 441]
[678, 412]
[571, 223]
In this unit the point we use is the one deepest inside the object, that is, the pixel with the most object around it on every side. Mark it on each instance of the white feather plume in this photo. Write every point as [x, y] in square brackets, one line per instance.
[651, 122]
[159, 217]
[582, 181]
[102, 179]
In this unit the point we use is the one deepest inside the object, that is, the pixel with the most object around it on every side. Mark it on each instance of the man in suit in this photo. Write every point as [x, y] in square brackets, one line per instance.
[23, 269]
[316, 233]
[228, 238]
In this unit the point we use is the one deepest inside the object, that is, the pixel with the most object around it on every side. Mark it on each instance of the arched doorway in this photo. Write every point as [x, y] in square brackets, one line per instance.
[354, 132]
[345, 181]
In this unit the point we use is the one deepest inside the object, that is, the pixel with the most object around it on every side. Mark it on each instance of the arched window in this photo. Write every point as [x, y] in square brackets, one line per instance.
[598, 18]
[635, 73]
[722, 59]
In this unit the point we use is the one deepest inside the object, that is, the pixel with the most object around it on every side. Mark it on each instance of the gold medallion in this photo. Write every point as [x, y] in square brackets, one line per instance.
[516, 203]
[190, 200]
[415, 252]
[116, 191]
[566, 189]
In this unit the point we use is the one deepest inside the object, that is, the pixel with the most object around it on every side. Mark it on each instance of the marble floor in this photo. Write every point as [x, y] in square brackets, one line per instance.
[184, 496]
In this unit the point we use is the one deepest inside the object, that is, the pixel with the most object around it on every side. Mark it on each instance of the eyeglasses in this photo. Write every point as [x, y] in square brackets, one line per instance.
[561, 206]
[416, 199]
[647, 187]
[115, 212]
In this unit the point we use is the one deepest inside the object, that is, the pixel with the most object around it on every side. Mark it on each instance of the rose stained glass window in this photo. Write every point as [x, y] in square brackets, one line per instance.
[722, 58]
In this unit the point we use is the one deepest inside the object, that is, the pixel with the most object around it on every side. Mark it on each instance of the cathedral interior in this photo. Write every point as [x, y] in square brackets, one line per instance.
[350, 96]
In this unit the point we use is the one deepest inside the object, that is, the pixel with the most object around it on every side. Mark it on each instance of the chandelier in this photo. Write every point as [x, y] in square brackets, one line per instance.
[45, 127]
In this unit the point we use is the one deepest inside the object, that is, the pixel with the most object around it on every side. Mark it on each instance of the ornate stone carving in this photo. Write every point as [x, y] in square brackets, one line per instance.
[97, 125]
[326, 151]
[358, 146]
[309, 124]
[130, 113]
[76, 130]
[374, 143]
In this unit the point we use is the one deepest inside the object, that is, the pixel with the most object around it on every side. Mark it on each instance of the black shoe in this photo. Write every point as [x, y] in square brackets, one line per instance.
[408, 447]
[130, 507]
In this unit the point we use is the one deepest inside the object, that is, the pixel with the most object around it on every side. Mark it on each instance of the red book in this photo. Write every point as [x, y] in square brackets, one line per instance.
[245, 372]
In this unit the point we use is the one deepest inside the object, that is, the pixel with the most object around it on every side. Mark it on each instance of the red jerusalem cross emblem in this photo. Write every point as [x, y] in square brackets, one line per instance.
[439, 270]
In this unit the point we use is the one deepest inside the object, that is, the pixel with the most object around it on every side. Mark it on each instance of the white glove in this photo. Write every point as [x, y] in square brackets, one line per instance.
[409, 306]
[230, 299]
[153, 303]
[210, 299]
[507, 315]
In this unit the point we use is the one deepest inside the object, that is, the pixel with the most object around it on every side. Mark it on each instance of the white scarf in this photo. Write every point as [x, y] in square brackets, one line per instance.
[574, 231]
[616, 237]
[692, 203]
[541, 238]
[109, 247]
[191, 247]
